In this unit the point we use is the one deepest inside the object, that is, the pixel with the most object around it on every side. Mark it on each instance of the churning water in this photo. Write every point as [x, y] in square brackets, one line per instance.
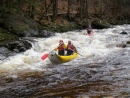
[102, 70]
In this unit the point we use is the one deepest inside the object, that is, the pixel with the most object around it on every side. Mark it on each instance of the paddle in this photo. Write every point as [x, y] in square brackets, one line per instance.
[76, 52]
[80, 54]
[45, 55]
[91, 30]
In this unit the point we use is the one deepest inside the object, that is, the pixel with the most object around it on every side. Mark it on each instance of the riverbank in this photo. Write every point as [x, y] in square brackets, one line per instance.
[14, 27]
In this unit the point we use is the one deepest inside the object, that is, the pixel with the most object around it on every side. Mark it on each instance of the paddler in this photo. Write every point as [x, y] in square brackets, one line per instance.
[61, 48]
[70, 48]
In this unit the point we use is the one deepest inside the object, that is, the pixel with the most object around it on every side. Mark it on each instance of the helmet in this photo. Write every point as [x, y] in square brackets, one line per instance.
[60, 40]
[69, 42]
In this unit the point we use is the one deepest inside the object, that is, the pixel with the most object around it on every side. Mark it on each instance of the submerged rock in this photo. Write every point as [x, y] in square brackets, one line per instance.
[123, 33]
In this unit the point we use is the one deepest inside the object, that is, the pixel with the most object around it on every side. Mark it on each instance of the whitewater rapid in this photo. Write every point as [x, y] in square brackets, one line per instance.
[100, 47]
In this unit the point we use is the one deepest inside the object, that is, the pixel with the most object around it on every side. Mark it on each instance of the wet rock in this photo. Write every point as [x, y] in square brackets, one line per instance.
[128, 42]
[19, 25]
[46, 33]
[18, 46]
[121, 45]
[123, 33]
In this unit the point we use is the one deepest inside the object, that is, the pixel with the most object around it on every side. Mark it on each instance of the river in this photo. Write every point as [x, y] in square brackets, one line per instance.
[103, 70]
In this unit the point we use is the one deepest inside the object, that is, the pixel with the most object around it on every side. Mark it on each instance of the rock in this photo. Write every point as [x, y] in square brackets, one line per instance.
[17, 24]
[18, 46]
[45, 33]
[121, 45]
[123, 33]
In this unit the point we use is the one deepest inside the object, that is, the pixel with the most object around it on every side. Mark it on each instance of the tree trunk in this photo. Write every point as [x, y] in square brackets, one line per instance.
[54, 10]
[44, 4]
[45, 11]
[20, 2]
[87, 7]
[8, 4]
[81, 9]
[105, 12]
[69, 6]
[2, 4]
[32, 9]
[32, 12]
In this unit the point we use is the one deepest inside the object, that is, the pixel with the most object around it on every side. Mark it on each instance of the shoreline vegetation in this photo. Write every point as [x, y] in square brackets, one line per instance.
[66, 25]
[32, 18]
[51, 15]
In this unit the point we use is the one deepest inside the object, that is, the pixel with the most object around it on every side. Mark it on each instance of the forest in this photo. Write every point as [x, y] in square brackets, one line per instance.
[16, 16]
[30, 31]
[46, 11]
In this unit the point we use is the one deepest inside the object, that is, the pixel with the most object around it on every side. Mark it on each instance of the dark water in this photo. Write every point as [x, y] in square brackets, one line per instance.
[94, 80]
[105, 74]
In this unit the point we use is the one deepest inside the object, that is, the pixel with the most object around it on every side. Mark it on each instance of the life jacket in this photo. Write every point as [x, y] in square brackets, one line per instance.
[70, 46]
[61, 47]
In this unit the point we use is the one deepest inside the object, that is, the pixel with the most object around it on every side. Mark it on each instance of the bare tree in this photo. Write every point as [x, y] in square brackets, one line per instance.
[20, 4]
[86, 8]
[81, 9]
[46, 10]
[32, 10]
[69, 6]
[54, 10]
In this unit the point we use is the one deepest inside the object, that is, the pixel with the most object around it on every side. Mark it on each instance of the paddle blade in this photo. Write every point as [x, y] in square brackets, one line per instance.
[44, 56]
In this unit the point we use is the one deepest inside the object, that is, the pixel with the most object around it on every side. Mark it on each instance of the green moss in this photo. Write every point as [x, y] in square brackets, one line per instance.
[5, 35]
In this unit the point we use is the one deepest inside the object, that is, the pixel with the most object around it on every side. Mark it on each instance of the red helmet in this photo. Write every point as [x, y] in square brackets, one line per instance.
[60, 40]
[69, 41]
